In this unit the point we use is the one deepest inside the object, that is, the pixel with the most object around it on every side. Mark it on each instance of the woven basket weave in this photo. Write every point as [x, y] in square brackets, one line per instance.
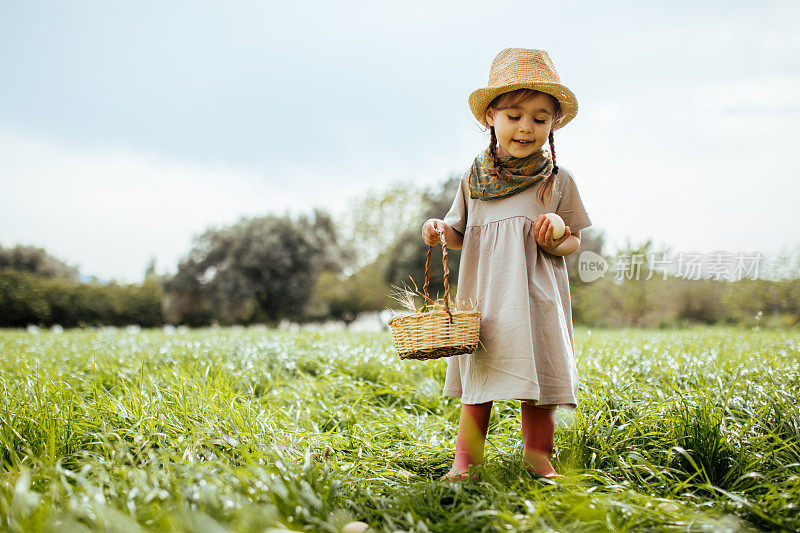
[436, 333]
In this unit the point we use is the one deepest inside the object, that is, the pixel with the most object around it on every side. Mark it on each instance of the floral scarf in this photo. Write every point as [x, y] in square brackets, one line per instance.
[516, 175]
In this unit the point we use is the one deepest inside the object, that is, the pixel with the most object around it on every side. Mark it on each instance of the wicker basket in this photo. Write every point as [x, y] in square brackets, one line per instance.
[437, 333]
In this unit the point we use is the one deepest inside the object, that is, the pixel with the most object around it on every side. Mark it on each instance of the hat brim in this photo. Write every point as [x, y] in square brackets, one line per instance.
[480, 99]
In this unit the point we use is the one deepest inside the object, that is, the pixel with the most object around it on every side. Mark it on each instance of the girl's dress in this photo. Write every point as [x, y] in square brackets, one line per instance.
[527, 346]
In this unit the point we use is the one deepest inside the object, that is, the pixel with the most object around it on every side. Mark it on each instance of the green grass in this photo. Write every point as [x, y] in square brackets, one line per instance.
[252, 429]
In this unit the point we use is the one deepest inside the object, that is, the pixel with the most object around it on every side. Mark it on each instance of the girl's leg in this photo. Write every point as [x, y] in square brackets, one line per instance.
[472, 427]
[538, 427]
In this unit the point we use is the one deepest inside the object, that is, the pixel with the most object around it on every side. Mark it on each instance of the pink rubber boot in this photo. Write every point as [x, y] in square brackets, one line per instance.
[472, 427]
[538, 427]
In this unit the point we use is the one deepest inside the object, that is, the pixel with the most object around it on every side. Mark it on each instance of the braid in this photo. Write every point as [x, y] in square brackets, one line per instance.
[553, 152]
[493, 151]
[546, 190]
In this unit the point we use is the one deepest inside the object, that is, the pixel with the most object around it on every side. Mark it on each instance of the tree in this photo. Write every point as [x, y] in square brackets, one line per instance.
[406, 257]
[784, 265]
[372, 223]
[259, 269]
[150, 270]
[343, 298]
[36, 261]
[29, 299]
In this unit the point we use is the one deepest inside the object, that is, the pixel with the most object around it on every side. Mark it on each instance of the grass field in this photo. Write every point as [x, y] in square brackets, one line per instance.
[259, 430]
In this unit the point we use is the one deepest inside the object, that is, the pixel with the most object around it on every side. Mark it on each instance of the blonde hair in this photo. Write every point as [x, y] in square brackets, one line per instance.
[510, 99]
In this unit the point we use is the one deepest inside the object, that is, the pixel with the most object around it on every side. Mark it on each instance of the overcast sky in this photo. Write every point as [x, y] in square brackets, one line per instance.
[128, 128]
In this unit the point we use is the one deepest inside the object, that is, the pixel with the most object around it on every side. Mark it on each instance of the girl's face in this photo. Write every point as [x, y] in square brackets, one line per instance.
[523, 128]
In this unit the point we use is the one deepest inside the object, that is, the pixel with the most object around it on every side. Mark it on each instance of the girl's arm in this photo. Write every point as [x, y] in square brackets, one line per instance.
[543, 232]
[568, 247]
[430, 235]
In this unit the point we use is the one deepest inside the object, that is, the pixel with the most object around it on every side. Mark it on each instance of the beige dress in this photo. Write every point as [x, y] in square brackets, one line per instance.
[527, 347]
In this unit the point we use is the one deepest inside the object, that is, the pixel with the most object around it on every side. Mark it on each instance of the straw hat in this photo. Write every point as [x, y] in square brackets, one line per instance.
[521, 68]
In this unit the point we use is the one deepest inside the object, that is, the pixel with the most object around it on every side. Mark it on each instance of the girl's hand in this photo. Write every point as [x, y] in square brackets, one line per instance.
[431, 230]
[543, 232]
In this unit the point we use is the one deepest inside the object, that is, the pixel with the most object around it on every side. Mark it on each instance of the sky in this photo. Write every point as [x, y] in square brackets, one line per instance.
[127, 129]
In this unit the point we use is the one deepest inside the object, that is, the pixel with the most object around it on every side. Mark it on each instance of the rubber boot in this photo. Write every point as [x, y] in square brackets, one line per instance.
[472, 427]
[538, 427]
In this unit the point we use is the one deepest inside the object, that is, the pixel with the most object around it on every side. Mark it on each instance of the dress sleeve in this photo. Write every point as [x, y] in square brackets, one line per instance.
[457, 216]
[570, 207]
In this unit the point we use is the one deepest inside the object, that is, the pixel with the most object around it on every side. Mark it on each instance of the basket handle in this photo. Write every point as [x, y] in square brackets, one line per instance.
[446, 275]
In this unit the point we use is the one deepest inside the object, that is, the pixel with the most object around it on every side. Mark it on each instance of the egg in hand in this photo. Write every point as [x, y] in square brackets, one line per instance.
[558, 225]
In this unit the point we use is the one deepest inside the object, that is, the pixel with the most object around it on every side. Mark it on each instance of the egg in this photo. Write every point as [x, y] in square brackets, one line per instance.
[355, 527]
[558, 225]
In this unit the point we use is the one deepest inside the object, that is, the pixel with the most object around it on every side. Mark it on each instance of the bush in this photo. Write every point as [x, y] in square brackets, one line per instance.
[27, 299]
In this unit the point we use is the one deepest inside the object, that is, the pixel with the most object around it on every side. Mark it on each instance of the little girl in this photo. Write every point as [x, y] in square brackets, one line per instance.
[511, 266]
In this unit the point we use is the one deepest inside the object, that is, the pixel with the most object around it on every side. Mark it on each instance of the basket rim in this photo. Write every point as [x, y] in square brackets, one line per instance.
[433, 313]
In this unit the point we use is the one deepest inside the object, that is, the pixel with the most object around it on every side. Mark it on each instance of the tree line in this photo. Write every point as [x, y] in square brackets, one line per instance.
[313, 268]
